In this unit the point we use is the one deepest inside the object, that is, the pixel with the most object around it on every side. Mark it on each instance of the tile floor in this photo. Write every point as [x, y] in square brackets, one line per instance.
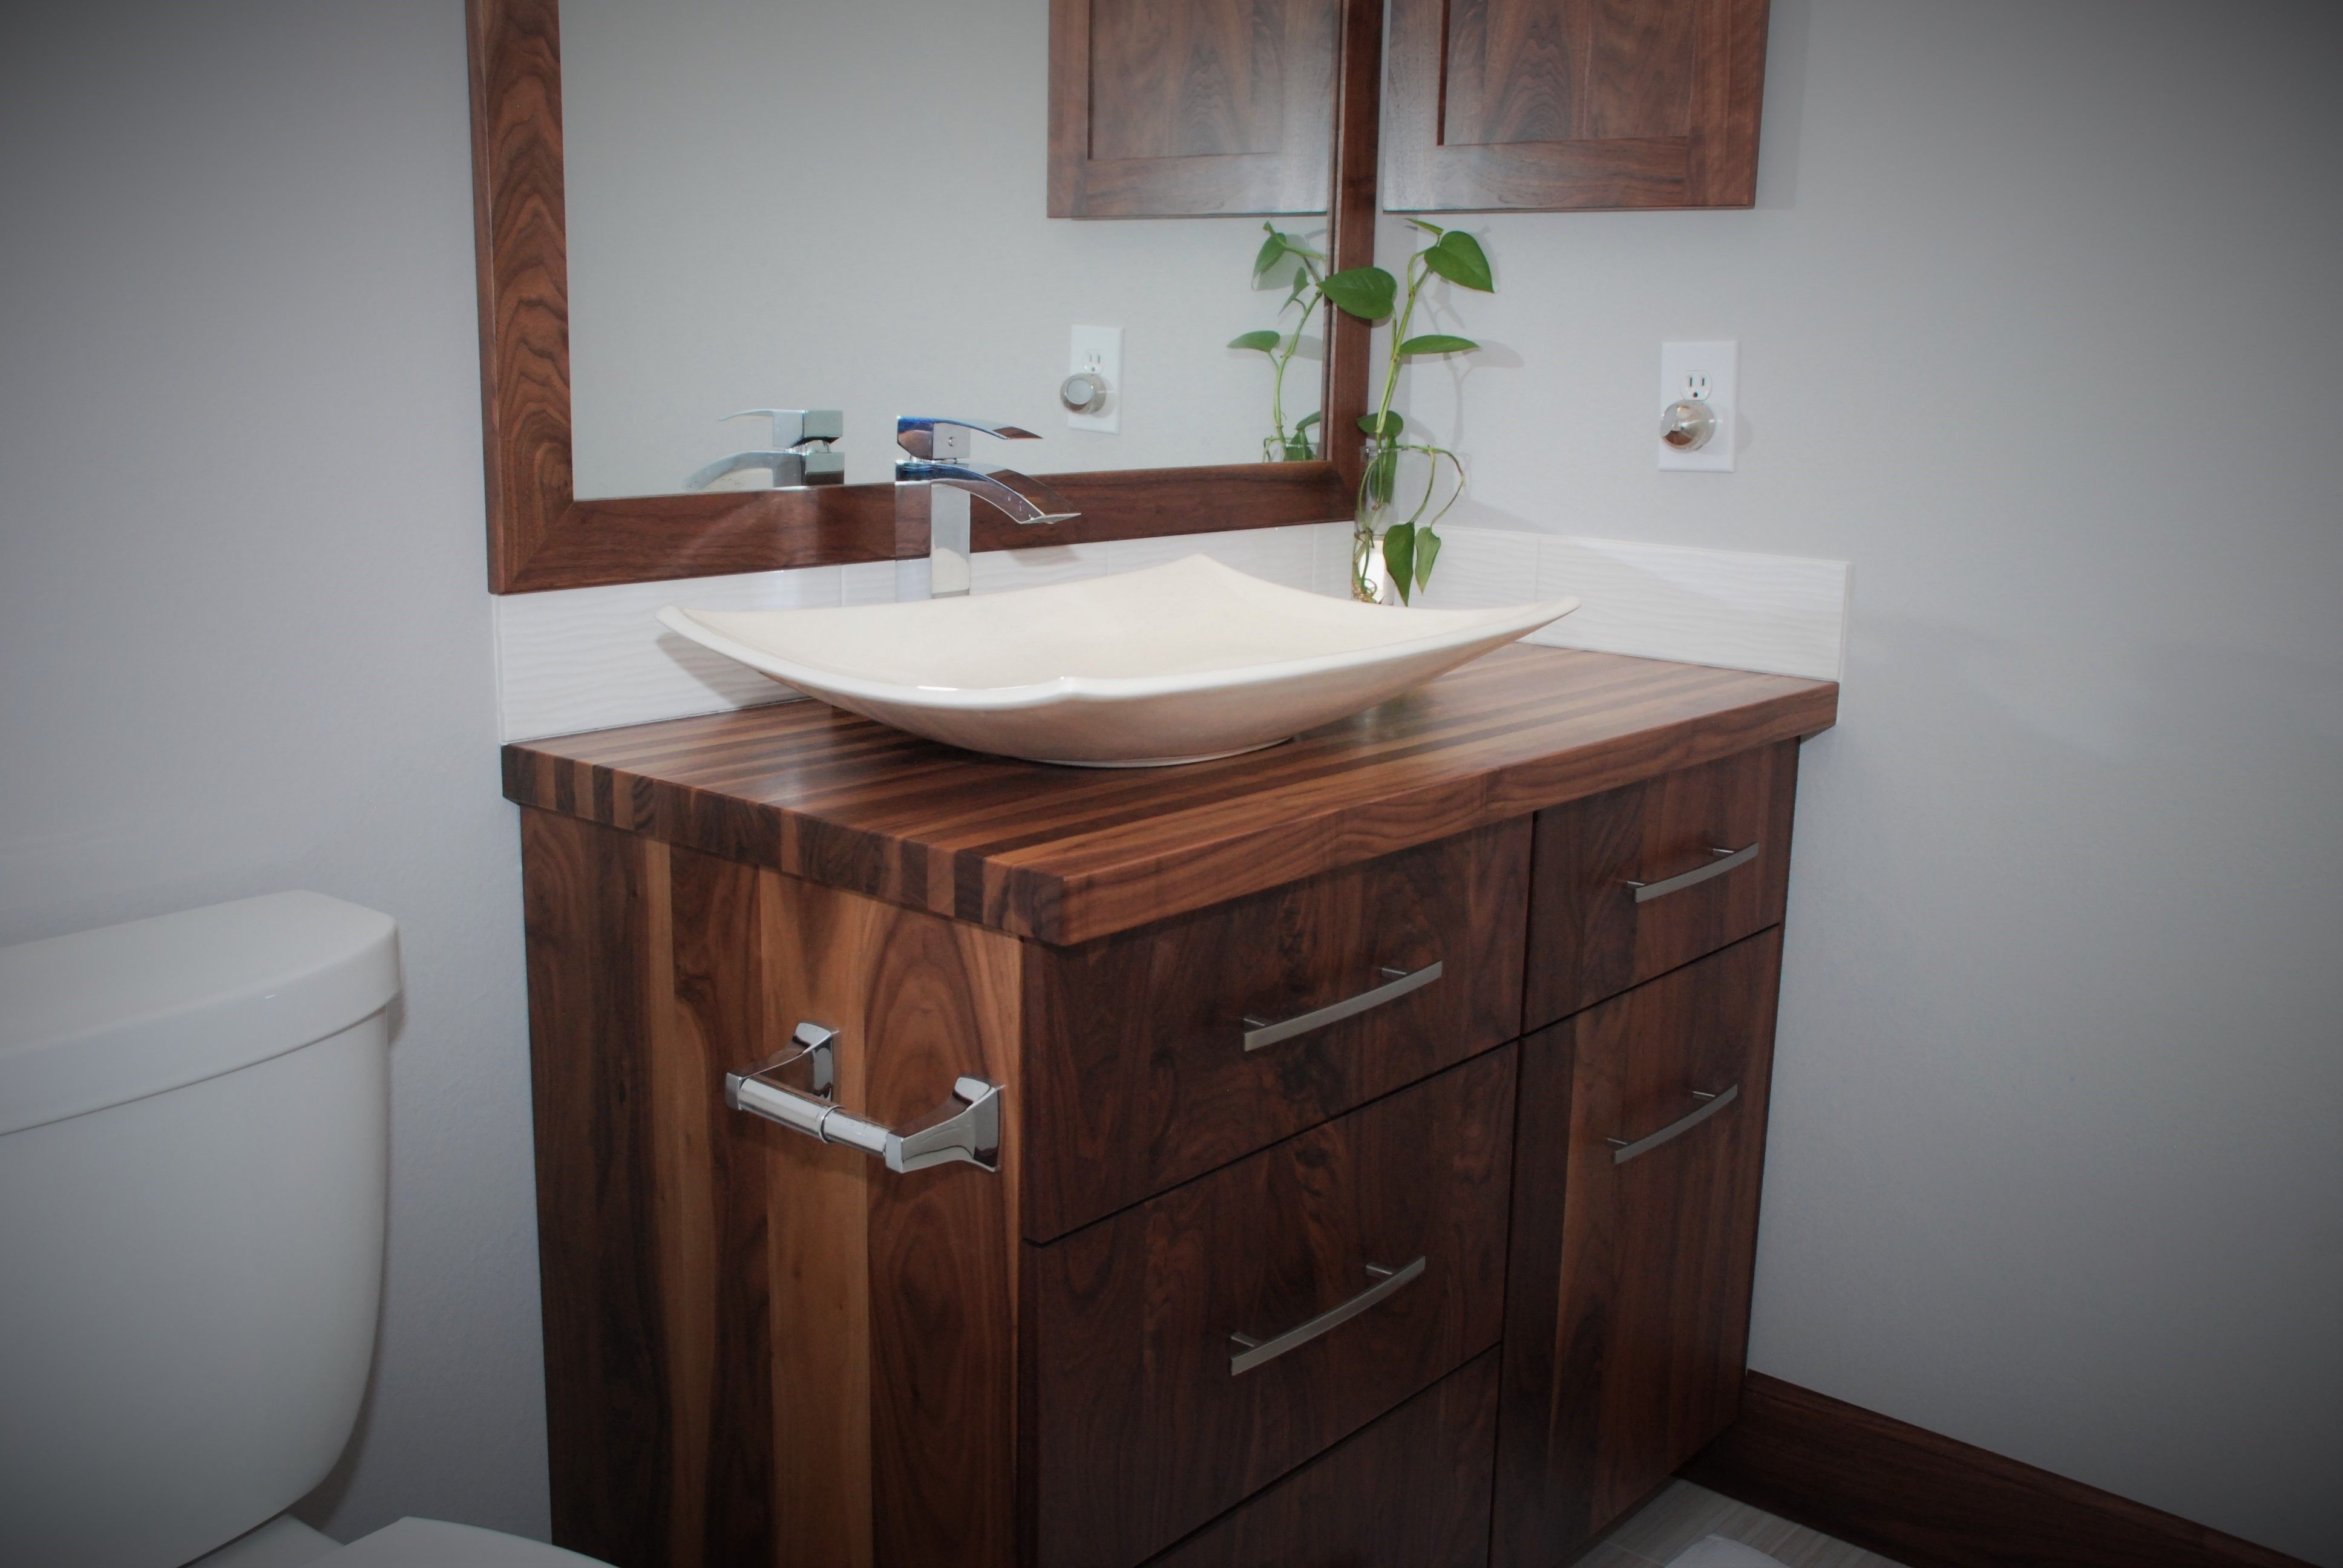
[1685, 1513]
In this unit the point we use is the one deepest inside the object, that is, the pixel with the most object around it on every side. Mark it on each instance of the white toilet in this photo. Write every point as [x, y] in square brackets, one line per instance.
[194, 1164]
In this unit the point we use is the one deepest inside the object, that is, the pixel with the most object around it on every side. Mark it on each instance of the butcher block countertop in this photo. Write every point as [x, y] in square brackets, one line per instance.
[1068, 854]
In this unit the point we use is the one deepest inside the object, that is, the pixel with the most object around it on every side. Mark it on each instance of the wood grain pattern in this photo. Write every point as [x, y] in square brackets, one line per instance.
[1559, 104]
[1066, 855]
[542, 536]
[1134, 1054]
[1411, 1490]
[1627, 1306]
[1171, 108]
[1589, 939]
[1141, 1432]
[758, 1350]
[1930, 1502]
[1351, 237]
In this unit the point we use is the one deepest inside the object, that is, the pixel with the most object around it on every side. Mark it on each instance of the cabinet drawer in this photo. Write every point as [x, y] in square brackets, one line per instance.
[1144, 1422]
[1594, 932]
[1141, 1069]
[1634, 1235]
[1412, 1491]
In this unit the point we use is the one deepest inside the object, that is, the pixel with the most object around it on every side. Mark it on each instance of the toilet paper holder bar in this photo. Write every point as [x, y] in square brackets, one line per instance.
[964, 1128]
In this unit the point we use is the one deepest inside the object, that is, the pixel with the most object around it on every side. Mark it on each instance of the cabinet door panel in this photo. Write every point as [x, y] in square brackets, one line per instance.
[1142, 1426]
[1138, 1073]
[1591, 938]
[1411, 1490]
[1163, 108]
[1627, 1296]
[1566, 104]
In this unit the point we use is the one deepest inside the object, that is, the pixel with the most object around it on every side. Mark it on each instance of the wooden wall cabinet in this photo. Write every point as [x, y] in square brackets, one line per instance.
[1559, 104]
[1173, 108]
[1378, 1291]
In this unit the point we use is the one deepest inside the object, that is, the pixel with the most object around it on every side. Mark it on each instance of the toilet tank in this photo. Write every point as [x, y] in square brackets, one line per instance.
[192, 1168]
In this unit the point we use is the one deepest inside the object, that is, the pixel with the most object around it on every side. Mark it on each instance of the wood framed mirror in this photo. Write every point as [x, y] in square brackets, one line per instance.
[542, 535]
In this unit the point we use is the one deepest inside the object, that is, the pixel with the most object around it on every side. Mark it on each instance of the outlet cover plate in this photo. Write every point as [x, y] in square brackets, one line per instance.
[1099, 350]
[1681, 368]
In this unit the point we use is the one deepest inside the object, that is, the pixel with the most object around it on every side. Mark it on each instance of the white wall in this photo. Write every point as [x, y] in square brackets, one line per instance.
[244, 625]
[2037, 320]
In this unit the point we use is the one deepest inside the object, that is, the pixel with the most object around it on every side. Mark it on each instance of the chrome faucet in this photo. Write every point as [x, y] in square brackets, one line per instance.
[938, 458]
[799, 453]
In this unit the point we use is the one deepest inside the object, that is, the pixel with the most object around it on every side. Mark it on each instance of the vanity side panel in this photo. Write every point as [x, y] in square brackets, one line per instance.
[762, 1348]
[587, 903]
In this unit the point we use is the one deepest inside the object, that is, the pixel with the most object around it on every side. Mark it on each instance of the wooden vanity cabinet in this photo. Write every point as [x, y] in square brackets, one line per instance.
[1299, 1249]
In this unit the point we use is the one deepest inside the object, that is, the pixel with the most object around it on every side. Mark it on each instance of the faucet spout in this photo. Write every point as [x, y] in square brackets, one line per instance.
[936, 458]
[1021, 498]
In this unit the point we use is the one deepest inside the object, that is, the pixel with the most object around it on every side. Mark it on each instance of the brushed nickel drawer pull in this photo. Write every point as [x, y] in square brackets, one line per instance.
[1622, 1151]
[1726, 861]
[1397, 983]
[964, 1128]
[1248, 1353]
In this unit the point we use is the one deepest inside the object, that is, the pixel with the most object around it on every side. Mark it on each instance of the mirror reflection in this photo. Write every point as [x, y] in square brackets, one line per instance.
[775, 206]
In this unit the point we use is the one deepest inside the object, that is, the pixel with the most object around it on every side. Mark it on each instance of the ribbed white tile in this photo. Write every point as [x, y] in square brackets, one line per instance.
[1783, 613]
[1479, 568]
[590, 659]
[1286, 556]
[1000, 571]
[1329, 558]
[868, 582]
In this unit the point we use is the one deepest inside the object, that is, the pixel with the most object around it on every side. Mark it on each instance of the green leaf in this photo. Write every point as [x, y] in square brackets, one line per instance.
[1399, 557]
[1433, 229]
[1427, 550]
[1390, 423]
[1436, 343]
[1303, 425]
[1458, 257]
[1273, 251]
[1365, 292]
[1264, 341]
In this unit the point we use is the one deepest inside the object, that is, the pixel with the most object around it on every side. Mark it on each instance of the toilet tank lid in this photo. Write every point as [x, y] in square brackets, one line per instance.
[103, 1016]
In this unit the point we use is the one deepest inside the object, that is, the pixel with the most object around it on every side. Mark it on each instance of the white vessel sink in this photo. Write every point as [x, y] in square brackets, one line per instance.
[1177, 663]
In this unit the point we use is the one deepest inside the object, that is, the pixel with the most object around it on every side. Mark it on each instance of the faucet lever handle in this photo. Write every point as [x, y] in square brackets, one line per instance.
[940, 439]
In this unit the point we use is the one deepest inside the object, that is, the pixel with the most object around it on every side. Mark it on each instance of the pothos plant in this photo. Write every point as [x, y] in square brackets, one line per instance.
[1411, 547]
[1279, 345]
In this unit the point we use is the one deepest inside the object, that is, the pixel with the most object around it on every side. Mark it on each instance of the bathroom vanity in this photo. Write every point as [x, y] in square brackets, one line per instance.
[1380, 1119]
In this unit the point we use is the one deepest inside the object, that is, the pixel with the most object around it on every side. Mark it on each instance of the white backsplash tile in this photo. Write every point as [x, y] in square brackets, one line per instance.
[590, 659]
[1284, 556]
[1782, 614]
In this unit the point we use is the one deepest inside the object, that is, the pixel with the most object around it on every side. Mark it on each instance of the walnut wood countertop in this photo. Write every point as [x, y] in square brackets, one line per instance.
[1067, 854]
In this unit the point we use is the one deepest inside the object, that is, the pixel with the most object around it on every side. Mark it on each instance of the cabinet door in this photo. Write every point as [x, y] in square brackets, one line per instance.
[1555, 105]
[1634, 1229]
[1173, 108]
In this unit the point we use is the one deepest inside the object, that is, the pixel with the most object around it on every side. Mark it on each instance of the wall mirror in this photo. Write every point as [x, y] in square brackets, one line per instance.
[695, 208]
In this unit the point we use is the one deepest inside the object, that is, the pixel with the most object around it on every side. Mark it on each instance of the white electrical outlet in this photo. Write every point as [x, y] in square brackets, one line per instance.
[1097, 351]
[1700, 373]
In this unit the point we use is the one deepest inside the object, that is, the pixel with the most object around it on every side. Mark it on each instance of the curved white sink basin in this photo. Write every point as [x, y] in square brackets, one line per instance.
[1177, 663]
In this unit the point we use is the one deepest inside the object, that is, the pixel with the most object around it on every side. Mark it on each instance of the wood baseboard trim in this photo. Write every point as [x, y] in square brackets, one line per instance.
[1929, 1501]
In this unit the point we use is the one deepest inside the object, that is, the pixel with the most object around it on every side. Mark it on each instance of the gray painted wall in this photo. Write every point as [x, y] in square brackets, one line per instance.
[2054, 1167]
[244, 619]
[2024, 310]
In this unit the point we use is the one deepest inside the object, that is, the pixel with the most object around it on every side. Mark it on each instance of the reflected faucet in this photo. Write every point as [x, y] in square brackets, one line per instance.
[799, 453]
[938, 458]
